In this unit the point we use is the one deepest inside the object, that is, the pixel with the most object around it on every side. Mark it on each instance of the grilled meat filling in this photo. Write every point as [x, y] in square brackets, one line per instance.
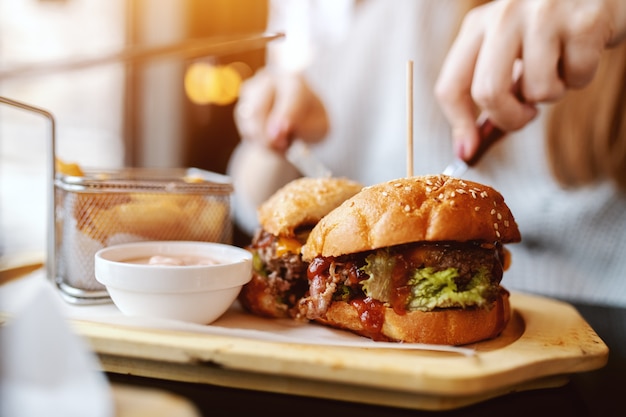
[418, 276]
[278, 260]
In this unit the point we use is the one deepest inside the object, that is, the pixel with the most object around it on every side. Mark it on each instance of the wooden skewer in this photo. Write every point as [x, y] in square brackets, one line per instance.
[409, 119]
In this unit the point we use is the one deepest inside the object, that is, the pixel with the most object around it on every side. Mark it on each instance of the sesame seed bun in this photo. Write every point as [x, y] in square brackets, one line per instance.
[422, 208]
[303, 202]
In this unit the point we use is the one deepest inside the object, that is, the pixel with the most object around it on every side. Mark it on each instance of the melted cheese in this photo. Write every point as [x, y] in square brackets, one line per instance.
[287, 245]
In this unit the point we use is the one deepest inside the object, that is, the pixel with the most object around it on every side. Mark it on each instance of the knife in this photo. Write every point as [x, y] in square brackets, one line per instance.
[301, 157]
[489, 134]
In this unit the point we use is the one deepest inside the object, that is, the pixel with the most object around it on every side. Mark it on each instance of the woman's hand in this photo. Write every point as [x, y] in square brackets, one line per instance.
[539, 47]
[274, 109]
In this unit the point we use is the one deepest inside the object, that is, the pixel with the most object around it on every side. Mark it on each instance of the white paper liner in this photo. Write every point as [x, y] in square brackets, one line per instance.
[238, 323]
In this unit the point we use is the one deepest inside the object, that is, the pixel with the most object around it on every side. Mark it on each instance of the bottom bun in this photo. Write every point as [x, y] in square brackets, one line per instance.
[256, 297]
[442, 327]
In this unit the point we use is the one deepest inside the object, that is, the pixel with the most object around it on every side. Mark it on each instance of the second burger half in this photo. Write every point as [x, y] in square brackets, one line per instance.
[279, 278]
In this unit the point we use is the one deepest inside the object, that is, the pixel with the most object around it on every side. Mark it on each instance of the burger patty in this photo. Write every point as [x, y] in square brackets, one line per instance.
[467, 258]
[342, 277]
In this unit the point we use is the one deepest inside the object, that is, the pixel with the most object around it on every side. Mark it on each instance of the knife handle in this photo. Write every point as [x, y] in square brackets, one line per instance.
[489, 134]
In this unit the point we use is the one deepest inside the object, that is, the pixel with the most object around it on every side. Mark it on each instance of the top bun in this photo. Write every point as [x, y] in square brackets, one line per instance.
[424, 208]
[303, 202]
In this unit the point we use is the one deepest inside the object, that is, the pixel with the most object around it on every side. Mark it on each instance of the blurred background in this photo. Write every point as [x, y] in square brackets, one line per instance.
[162, 112]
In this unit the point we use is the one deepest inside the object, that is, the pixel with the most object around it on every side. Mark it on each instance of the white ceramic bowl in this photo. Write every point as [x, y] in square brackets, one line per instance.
[193, 293]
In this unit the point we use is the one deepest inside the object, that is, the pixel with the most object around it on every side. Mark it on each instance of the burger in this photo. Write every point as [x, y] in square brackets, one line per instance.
[279, 277]
[416, 259]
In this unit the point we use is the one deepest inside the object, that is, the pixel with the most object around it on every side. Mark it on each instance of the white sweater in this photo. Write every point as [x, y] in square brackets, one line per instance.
[573, 242]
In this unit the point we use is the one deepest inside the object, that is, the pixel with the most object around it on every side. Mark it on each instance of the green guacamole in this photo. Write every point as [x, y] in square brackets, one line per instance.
[430, 289]
[258, 265]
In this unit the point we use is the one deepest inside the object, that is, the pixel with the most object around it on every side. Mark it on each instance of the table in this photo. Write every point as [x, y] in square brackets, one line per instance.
[133, 401]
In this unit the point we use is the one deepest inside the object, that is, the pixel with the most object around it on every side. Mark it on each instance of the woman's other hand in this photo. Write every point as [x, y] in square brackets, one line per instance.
[275, 108]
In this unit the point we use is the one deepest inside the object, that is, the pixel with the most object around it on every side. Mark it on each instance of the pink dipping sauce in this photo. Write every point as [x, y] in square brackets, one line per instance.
[174, 260]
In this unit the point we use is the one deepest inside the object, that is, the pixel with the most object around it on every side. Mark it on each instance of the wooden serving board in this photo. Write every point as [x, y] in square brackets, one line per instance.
[545, 341]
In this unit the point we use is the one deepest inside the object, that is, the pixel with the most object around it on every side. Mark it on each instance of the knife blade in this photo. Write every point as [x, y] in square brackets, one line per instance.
[301, 157]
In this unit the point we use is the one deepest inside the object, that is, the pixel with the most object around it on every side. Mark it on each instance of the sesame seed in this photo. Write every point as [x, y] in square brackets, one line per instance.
[493, 211]
[463, 183]
[499, 216]
[429, 182]
[452, 194]
[407, 208]
[484, 194]
[428, 189]
[441, 196]
[473, 193]
[461, 191]
[397, 184]
[407, 188]
[506, 223]
[495, 226]
[497, 233]
[385, 194]
[476, 208]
